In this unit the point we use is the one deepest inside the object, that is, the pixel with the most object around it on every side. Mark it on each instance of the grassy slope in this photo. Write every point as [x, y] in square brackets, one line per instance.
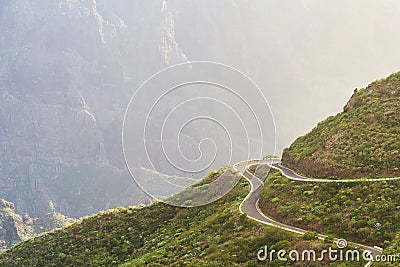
[362, 141]
[363, 212]
[160, 235]
[393, 249]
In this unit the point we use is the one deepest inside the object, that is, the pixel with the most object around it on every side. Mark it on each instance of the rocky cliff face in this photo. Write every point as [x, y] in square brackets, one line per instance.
[15, 227]
[67, 71]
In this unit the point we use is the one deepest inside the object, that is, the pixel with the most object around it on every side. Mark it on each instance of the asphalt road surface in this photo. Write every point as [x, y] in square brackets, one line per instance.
[249, 206]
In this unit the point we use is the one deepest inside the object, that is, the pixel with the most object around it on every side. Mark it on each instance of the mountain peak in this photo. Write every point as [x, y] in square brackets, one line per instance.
[362, 141]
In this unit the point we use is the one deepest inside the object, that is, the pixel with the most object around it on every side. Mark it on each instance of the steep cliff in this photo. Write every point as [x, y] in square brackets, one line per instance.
[66, 74]
[15, 227]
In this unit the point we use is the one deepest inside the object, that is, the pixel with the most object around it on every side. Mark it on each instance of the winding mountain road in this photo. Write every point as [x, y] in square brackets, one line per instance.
[294, 176]
[249, 205]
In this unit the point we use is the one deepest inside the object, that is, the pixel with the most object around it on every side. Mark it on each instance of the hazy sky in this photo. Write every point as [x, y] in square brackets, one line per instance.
[307, 56]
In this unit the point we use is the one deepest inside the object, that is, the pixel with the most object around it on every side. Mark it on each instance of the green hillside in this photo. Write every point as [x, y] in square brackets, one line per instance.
[393, 249]
[365, 212]
[361, 141]
[162, 235]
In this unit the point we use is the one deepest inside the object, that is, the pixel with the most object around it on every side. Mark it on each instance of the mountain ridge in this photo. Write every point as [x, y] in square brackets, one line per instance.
[163, 235]
[361, 141]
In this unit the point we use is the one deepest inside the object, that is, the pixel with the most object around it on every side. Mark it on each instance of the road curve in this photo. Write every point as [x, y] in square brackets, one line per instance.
[249, 205]
[294, 176]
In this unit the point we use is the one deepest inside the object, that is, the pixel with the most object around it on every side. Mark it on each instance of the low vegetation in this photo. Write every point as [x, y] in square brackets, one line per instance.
[361, 141]
[364, 212]
[162, 235]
